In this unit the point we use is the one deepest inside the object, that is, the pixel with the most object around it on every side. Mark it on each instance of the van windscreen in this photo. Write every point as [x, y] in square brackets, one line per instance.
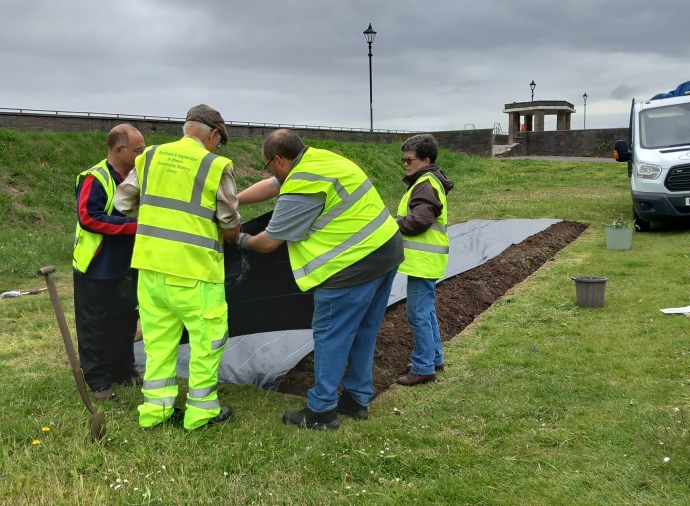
[665, 127]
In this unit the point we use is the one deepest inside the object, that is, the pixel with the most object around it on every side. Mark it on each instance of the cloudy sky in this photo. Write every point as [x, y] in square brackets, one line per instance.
[437, 64]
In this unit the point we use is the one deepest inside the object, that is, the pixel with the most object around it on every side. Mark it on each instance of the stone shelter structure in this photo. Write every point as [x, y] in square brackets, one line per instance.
[534, 113]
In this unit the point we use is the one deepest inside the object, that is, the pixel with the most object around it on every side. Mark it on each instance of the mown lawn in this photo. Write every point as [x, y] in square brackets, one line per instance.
[542, 402]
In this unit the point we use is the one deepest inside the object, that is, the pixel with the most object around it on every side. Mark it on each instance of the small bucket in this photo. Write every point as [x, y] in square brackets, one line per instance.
[590, 291]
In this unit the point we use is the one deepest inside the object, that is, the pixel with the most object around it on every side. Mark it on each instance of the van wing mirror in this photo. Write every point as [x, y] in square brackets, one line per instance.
[621, 152]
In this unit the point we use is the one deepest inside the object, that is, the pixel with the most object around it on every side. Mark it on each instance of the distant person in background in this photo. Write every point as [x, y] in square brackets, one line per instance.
[423, 219]
[104, 291]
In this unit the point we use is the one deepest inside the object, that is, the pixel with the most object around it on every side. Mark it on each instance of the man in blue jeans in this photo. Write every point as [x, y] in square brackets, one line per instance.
[344, 245]
[423, 219]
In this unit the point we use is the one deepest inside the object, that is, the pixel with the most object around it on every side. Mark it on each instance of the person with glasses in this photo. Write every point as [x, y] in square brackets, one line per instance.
[423, 218]
[104, 303]
[343, 245]
[184, 195]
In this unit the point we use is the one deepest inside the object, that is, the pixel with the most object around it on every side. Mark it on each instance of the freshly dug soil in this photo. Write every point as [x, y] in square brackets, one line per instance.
[459, 300]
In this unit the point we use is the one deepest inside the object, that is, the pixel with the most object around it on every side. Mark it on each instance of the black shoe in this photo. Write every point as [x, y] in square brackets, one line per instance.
[438, 368]
[308, 419]
[224, 415]
[348, 406]
[176, 417]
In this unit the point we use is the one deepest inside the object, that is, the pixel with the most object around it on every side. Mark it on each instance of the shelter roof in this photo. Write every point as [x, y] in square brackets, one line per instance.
[548, 106]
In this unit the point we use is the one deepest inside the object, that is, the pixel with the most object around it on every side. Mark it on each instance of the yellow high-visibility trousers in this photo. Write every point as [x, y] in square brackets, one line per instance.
[166, 304]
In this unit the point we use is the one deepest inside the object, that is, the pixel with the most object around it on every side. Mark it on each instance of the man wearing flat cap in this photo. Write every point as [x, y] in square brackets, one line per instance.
[185, 198]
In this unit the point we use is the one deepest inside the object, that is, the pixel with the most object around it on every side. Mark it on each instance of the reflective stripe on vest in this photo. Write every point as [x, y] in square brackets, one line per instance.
[347, 202]
[355, 239]
[353, 223]
[439, 228]
[431, 248]
[177, 233]
[183, 237]
[426, 254]
[194, 205]
[86, 243]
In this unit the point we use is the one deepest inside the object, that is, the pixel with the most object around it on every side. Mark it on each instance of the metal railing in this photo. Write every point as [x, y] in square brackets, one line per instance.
[497, 129]
[471, 125]
[107, 115]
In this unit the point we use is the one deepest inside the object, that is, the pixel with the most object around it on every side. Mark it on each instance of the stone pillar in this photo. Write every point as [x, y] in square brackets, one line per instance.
[528, 123]
[560, 120]
[538, 121]
[567, 120]
[513, 126]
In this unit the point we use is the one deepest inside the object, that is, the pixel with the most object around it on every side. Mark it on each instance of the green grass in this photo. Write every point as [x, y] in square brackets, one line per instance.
[542, 402]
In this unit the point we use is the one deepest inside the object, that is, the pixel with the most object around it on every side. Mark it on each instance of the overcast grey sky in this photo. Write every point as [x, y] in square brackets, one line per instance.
[437, 64]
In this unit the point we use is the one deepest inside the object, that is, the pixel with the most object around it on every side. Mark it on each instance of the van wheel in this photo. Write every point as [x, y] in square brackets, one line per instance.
[639, 224]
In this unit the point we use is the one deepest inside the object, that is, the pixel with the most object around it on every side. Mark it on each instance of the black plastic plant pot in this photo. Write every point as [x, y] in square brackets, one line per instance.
[590, 291]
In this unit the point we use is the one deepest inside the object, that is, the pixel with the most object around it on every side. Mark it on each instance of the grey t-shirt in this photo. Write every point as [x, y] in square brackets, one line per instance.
[294, 214]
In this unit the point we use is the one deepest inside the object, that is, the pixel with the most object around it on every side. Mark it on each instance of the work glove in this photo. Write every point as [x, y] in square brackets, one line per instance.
[242, 241]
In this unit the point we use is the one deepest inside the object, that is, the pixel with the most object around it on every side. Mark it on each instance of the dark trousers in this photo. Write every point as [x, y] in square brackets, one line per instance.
[106, 319]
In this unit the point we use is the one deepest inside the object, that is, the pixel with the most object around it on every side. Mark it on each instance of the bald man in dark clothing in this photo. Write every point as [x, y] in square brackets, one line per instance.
[104, 286]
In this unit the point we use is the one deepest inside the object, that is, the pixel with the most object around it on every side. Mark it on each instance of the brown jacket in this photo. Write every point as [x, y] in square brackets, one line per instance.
[425, 205]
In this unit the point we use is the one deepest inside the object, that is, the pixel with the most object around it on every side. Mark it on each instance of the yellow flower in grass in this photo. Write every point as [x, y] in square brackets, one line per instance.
[46, 429]
[36, 442]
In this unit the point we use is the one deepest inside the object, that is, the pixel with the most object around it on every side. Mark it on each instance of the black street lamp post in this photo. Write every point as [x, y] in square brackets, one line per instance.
[584, 122]
[369, 34]
[531, 87]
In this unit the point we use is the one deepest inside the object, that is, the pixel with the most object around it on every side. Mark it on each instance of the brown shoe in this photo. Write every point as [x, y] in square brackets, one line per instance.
[438, 368]
[411, 379]
[103, 394]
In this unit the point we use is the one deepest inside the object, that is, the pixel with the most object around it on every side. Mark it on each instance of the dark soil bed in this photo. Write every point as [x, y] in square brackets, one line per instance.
[459, 300]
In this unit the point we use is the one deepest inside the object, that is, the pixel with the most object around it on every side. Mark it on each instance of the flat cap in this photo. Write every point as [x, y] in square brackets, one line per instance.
[209, 116]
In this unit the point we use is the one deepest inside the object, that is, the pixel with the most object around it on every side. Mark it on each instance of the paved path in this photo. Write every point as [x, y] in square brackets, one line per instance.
[562, 158]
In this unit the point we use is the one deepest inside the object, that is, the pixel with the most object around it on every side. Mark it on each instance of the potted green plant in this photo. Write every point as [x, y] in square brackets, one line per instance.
[619, 234]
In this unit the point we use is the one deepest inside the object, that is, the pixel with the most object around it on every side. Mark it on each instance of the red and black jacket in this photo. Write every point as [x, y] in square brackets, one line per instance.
[114, 256]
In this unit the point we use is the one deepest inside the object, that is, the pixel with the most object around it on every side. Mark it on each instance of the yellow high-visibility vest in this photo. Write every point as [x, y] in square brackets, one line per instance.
[353, 223]
[177, 233]
[86, 243]
[426, 254]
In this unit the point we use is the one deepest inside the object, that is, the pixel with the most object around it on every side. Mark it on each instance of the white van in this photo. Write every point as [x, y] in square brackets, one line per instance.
[658, 159]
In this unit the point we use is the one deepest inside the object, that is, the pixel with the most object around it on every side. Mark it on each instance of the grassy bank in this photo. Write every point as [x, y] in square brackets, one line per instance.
[38, 170]
[542, 402]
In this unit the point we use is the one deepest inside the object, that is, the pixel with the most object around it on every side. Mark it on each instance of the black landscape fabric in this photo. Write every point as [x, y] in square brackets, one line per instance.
[269, 318]
[261, 292]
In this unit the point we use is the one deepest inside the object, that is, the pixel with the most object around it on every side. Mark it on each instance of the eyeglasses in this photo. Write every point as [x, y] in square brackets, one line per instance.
[407, 160]
[267, 166]
[138, 151]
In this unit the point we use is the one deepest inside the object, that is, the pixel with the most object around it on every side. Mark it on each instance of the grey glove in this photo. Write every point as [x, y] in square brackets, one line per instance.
[242, 241]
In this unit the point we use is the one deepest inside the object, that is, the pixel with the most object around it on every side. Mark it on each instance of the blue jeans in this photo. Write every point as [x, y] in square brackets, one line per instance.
[346, 323]
[421, 313]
